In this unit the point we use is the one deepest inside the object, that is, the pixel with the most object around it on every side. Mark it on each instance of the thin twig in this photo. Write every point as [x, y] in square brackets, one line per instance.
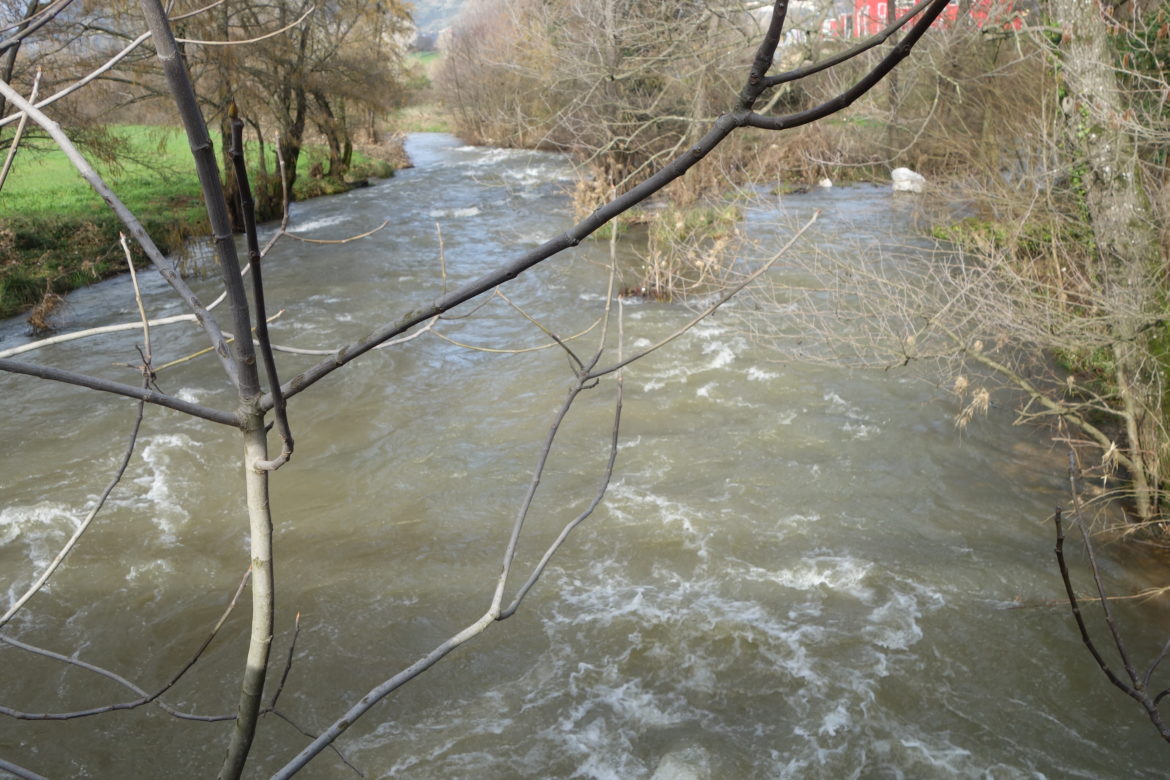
[602, 488]
[288, 662]
[79, 83]
[141, 308]
[1137, 690]
[117, 388]
[357, 237]
[727, 296]
[306, 733]
[273, 34]
[85, 524]
[14, 144]
[145, 698]
[133, 225]
[543, 329]
[558, 342]
[1095, 570]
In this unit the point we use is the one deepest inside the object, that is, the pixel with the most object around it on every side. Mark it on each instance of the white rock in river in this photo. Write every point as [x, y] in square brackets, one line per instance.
[906, 180]
[825, 183]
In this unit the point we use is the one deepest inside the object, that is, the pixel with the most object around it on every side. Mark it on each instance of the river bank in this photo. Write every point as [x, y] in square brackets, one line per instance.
[57, 235]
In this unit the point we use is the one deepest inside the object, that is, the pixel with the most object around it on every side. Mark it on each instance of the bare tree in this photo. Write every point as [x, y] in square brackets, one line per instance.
[260, 391]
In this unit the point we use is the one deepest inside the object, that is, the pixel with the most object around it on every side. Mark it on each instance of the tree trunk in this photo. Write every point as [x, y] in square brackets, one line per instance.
[1107, 175]
[263, 599]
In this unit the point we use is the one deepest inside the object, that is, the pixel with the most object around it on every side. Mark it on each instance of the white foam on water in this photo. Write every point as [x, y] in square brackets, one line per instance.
[894, 624]
[705, 390]
[785, 418]
[857, 424]
[535, 174]
[835, 721]
[191, 395]
[491, 156]
[632, 505]
[629, 443]
[720, 354]
[723, 355]
[755, 374]
[314, 224]
[946, 758]
[842, 574]
[158, 570]
[157, 478]
[39, 530]
[459, 213]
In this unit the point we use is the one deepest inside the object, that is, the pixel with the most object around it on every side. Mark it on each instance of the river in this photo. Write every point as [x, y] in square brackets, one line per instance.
[798, 571]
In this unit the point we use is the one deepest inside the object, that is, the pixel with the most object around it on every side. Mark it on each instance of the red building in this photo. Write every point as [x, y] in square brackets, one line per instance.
[869, 16]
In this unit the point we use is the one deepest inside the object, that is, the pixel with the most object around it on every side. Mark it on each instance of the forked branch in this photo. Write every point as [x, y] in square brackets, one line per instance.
[1137, 687]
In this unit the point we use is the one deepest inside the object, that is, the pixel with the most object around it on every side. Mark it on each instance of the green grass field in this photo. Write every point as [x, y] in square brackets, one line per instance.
[154, 167]
[56, 233]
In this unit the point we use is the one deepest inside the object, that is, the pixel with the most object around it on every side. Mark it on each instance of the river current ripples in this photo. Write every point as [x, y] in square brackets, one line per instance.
[798, 571]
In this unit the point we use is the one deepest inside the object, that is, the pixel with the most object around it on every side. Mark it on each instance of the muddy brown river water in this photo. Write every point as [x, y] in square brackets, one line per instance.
[797, 572]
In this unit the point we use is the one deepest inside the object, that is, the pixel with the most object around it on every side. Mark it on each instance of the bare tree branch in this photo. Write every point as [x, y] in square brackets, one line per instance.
[14, 144]
[248, 209]
[133, 225]
[1136, 689]
[105, 385]
[79, 83]
[846, 55]
[19, 771]
[722, 127]
[84, 525]
[257, 39]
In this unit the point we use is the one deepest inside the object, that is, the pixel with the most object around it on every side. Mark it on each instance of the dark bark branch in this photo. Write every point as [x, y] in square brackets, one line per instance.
[867, 82]
[722, 127]
[1137, 688]
[1095, 570]
[248, 211]
[45, 16]
[248, 380]
[765, 56]
[869, 43]
[1074, 603]
[130, 391]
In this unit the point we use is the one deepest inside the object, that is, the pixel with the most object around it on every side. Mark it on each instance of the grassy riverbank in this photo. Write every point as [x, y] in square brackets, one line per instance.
[56, 234]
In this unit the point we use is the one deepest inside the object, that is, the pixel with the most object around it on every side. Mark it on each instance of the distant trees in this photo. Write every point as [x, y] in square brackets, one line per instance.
[621, 84]
[299, 70]
[326, 68]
